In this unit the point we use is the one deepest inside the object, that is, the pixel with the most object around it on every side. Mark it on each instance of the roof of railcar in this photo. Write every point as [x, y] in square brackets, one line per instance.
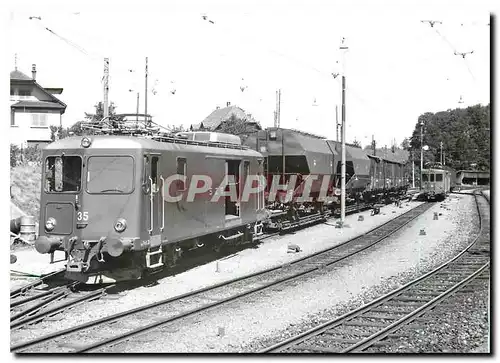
[134, 142]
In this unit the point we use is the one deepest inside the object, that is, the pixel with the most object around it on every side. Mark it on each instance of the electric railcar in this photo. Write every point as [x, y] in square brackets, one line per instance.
[437, 182]
[103, 203]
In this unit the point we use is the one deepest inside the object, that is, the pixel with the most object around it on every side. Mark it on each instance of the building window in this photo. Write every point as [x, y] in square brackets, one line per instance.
[24, 93]
[38, 120]
[12, 118]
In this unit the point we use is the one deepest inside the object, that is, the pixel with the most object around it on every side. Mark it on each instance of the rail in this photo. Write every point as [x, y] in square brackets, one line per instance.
[252, 284]
[380, 309]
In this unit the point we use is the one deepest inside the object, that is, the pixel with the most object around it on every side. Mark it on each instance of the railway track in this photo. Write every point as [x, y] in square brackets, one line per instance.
[40, 305]
[111, 330]
[36, 301]
[378, 322]
[25, 289]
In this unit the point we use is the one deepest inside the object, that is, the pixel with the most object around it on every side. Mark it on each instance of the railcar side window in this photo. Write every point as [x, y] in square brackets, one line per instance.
[181, 170]
[110, 174]
[246, 172]
[439, 177]
[154, 170]
[63, 174]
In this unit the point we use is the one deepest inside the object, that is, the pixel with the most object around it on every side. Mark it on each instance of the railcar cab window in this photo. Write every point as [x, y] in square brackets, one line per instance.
[110, 175]
[63, 174]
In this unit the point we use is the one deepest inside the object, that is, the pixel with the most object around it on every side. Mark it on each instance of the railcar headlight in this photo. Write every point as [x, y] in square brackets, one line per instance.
[120, 225]
[86, 141]
[50, 224]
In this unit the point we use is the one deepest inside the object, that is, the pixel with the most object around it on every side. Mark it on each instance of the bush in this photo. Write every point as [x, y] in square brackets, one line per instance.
[15, 153]
[33, 154]
[25, 186]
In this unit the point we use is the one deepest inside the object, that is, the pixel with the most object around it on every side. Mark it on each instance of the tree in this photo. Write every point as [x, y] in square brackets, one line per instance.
[356, 143]
[405, 144]
[99, 112]
[174, 128]
[76, 129]
[465, 134]
[238, 127]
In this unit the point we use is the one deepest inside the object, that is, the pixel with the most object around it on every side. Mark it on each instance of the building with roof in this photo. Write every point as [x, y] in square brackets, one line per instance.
[214, 121]
[473, 177]
[33, 109]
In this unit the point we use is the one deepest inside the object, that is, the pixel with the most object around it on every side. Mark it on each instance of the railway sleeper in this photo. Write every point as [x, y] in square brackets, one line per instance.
[343, 340]
[408, 304]
[389, 311]
[365, 323]
[372, 315]
[413, 298]
[315, 348]
[432, 293]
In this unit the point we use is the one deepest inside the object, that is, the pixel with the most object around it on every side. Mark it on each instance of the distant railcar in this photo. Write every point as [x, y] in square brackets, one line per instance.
[437, 182]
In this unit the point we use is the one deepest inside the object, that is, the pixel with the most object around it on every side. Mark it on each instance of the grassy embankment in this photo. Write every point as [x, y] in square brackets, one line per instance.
[25, 182]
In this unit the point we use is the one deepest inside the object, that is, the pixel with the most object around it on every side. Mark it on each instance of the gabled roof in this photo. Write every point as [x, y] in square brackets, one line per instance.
[398, 156]
[213, 121]
[38, 104]
[19, 76]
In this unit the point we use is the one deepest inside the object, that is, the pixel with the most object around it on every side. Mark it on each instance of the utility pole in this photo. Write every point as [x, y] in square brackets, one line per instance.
[278, 109]
[441, 144]
[278, 122]
[137, 112]
[337, 122]
[421, 151]
[344, 49]
[146, 92]
[276, 112]
[106, 87]
[413, 169]
[374, 145]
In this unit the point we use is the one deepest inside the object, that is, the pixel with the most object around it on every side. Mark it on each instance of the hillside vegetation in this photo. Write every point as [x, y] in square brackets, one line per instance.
[25, 181]
[464, 132]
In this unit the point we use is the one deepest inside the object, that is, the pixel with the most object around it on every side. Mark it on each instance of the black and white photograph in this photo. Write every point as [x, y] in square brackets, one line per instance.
[265, 178]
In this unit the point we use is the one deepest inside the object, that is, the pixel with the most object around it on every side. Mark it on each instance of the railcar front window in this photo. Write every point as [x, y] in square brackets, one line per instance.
[439, 177]
[110, 175]
[431, 177]
[425, 177]
[63, 174]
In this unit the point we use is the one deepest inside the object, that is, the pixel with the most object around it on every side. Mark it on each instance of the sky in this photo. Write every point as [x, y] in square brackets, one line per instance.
[397, 67]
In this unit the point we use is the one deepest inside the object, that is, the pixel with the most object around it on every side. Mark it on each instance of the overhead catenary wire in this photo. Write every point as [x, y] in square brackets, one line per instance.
[455, 51]
[91, 55]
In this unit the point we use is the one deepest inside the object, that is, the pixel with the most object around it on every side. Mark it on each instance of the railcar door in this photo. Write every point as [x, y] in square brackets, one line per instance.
[156, 206]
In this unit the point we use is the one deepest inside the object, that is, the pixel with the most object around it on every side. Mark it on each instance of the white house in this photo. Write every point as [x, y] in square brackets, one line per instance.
[33, 109]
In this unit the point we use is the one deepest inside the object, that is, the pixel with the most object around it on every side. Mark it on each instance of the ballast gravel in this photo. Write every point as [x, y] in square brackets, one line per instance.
[272, 252]
[266, 318]
[262, 319]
